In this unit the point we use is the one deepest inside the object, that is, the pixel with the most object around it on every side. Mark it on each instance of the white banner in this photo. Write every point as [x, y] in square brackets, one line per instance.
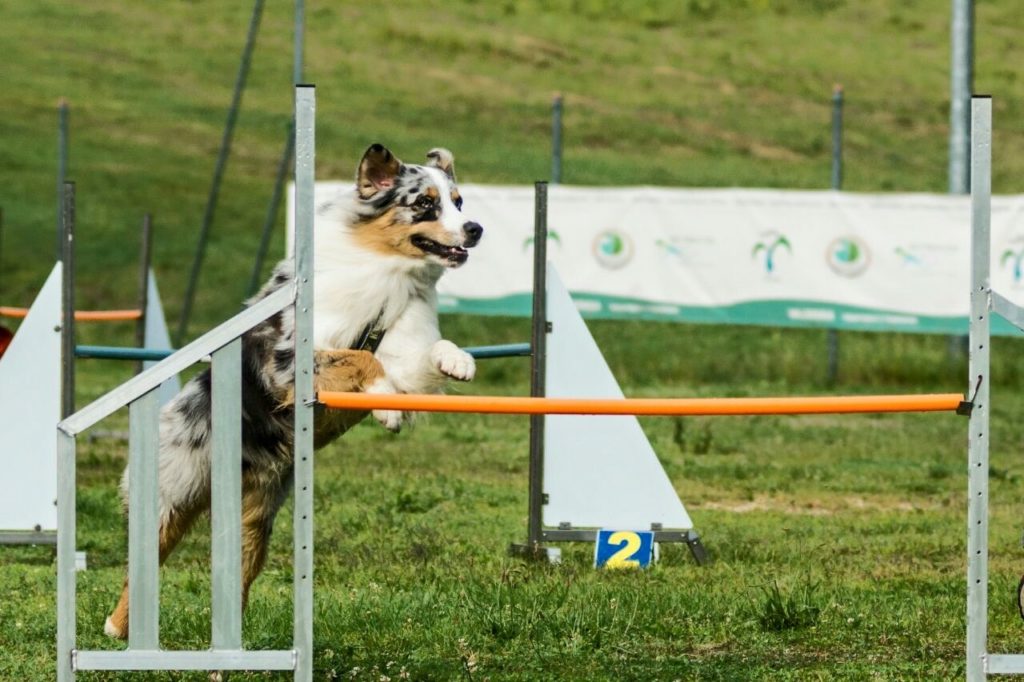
[893, 262]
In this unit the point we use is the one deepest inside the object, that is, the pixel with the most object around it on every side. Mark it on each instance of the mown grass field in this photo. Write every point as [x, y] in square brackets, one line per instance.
[837, 543]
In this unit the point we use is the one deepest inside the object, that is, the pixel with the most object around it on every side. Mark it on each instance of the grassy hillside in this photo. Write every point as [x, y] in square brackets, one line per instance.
[837, 544]
[668, 93]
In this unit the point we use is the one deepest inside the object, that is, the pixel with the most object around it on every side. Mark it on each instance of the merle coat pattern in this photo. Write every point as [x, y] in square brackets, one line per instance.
[379, 251]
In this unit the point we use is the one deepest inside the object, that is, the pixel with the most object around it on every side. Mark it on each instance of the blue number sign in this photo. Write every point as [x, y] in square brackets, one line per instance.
[623, 549]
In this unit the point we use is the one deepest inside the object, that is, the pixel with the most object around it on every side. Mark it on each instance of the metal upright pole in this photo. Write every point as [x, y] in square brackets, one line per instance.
[978, 387]
[62, 166]
[832, 336]
[556, 140]
[305, 122]
[145, 259]
[218, 172]
[67, 336]
[538, 364]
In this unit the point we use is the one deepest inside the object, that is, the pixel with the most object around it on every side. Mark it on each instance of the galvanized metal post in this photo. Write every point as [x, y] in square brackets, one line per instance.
[218, 172]
[978, 387]
[143, 523]
[145, 261]
[67, 336]
[961, 84]
[66, 613]
[226, 497]
[305, 145]
[556, 140]
[538, 360]
[62, 165]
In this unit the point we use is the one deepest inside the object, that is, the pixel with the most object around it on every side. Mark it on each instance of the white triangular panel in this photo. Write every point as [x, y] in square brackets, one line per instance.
[599, 471]
[29, 412]
[158, 337]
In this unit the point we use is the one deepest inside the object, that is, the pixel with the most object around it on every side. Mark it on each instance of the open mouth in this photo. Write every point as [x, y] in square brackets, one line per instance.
[455, 255]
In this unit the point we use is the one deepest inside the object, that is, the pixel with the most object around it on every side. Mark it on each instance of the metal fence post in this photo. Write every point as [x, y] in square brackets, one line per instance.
[305, 122]
[978, 386]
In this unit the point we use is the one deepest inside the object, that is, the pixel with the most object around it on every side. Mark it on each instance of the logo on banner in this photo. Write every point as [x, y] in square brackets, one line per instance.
[612, 249]
[907, 257]
[553, 236]
[767, 247]
[848, 256]
[1015, 258]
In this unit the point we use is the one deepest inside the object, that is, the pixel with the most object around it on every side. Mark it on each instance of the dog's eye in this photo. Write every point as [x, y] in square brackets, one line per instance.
[457, 200]
[425, 202]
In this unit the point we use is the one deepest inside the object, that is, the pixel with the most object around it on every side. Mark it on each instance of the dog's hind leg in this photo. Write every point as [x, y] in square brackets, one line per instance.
[173, 527]
[261, 499]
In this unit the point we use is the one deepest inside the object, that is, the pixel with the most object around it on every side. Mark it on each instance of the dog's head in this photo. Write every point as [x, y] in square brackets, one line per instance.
[413, 211]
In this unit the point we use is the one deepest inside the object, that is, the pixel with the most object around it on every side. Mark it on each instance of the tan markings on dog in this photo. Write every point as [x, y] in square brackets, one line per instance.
[259, 505]
[456, 197]
[386, 236]
[172, 530]
[432, 192]
[341, 370]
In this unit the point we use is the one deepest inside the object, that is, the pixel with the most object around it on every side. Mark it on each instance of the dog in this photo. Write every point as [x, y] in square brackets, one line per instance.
[379, 250]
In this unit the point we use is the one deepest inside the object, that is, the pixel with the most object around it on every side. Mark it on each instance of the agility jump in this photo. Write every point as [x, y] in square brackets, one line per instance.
[678, 407]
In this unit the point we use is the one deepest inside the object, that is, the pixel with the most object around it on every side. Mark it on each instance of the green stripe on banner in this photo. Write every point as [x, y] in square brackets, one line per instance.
[785, 313]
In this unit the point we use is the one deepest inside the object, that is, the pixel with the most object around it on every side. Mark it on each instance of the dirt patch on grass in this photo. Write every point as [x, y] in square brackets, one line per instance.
[814, 507]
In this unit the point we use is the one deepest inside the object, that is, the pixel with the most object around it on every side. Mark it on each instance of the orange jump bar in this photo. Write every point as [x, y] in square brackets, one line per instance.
[82, 315]
[939, 402]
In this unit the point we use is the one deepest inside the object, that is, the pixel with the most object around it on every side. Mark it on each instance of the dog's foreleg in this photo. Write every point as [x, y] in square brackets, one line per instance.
[452, 361]
[355, 371]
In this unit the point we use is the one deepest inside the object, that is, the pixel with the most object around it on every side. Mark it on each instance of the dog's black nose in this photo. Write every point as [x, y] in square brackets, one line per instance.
[473, 233]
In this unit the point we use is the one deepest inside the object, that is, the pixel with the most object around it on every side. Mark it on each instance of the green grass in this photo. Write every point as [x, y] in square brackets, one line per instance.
[837, 543]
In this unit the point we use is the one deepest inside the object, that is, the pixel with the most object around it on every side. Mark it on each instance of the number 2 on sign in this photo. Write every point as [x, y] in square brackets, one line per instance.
[629, 544]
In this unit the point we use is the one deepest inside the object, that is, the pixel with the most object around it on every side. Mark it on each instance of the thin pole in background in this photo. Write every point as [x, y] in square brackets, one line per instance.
[218, 172]
[272, 210]
[67, 337]
[145, 259]
[286, 156]
[62, 167]
[538, 360]
[961, 85]
[960, 91]
[556, 139]
[832, 337]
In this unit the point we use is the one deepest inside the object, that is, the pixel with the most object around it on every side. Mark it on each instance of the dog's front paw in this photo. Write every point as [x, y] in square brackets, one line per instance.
[452, 361]
[389, 419]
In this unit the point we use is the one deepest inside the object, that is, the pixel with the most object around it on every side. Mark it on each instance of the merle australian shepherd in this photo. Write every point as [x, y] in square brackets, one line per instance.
[379, 251]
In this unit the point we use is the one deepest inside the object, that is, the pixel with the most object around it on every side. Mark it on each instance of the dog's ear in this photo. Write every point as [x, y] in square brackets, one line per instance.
[441, 158]
[377, 171]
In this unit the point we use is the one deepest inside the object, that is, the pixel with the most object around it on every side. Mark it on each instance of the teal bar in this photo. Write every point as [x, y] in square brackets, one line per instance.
[507, 350]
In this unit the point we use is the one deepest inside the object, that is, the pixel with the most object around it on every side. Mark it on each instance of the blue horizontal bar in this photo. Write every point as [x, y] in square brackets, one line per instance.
[507, 350]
